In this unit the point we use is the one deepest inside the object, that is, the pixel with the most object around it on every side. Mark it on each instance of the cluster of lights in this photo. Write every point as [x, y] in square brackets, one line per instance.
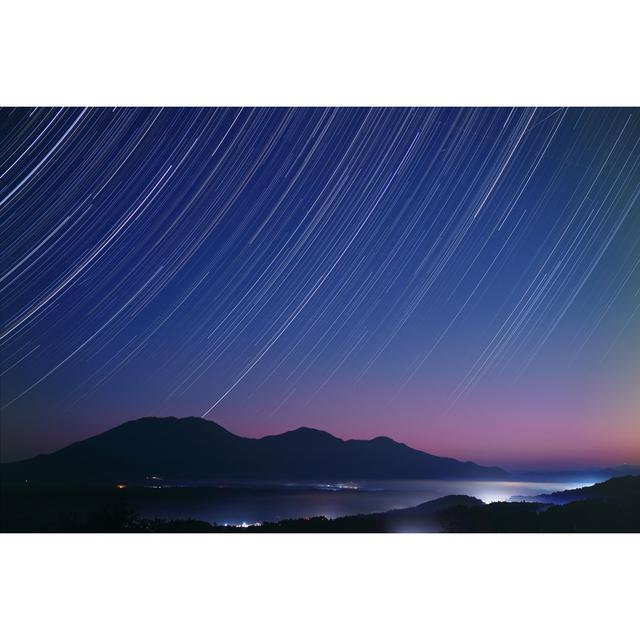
[339, 487]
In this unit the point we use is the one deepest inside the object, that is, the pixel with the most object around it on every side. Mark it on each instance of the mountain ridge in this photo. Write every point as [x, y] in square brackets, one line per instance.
[197, 449]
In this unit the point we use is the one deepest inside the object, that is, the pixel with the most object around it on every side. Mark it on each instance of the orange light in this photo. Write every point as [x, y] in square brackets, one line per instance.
[120, 486]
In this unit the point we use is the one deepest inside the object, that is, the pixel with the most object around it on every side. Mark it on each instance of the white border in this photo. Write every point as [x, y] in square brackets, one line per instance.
[320, 52]
[312, 586]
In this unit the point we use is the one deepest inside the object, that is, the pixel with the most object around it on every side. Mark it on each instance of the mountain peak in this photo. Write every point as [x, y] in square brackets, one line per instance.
[385, 440]
[305, 434]
[312, 430]
[160, 422]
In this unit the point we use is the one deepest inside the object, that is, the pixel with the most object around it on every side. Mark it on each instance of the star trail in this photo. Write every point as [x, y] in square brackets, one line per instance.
[463, 280]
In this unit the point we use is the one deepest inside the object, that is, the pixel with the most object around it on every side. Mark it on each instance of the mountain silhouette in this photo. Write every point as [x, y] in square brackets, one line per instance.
[194, 449]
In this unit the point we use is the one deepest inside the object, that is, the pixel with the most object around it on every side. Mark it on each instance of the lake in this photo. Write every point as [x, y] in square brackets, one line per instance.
[238, 504]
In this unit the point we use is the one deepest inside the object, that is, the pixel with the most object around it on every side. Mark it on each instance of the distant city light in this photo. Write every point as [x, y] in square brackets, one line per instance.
[242, 525]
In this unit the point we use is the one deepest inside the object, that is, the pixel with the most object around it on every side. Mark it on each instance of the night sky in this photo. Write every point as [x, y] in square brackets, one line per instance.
[466, 281]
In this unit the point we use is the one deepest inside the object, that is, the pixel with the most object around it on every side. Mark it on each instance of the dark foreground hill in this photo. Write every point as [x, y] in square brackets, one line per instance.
[613, 508]
[607, 507]
[615, 488]
[193, 449]
[425, 518]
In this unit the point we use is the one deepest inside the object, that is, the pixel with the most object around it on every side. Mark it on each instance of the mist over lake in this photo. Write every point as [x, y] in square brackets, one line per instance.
[238, 504]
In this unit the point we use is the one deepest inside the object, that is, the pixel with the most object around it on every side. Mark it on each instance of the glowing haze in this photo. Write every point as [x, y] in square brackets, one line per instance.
[466, 281]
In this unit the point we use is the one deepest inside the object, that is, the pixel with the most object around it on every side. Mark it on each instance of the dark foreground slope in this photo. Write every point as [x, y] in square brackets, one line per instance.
[612, 507]
[193, 449]
[616, 509]
[425, 518]
[614, 488]
[108, 510]
[607, 507]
